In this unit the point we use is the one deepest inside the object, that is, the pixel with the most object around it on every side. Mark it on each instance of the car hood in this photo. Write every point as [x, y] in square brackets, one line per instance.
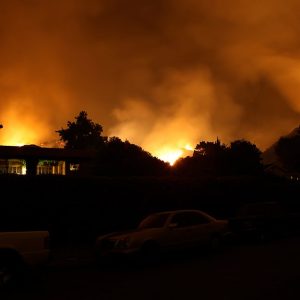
[120, 234]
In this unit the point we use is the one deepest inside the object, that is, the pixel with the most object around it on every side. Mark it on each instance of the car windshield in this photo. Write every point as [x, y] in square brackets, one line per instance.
[154, 221]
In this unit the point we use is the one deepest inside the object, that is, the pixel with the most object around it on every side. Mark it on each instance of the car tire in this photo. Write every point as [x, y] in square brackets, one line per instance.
[150, 252]
[215, 244]
[261, 237]
[11, 270]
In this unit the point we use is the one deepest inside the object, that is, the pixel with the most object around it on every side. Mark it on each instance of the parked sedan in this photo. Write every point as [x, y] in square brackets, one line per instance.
[259, 221]
[163, 231]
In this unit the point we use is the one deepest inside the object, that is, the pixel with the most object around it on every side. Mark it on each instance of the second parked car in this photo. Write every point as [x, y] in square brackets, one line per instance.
[259, 221]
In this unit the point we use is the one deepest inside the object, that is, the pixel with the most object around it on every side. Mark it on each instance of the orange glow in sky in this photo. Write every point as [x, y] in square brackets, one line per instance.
[19, 136]
[22, 129]
[155, 98]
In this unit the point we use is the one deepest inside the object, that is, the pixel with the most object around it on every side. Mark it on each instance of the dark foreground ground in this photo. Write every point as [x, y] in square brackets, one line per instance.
[243, 271]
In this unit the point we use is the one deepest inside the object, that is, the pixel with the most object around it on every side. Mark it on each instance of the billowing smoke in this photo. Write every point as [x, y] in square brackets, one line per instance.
[162, 74]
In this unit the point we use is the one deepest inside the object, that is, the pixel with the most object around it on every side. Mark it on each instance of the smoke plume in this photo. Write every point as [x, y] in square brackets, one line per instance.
[162, 74]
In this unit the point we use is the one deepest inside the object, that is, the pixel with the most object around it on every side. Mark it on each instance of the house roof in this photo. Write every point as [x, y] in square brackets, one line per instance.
[33, 151]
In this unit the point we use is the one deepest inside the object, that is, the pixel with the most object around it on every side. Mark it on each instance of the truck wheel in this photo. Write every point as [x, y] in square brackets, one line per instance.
[6, 275]
[11, 271]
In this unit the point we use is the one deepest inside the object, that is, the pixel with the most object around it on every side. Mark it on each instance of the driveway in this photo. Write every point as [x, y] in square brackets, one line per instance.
[267, 271]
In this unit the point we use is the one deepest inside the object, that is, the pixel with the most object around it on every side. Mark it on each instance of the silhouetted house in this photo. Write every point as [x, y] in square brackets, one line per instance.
[279, 171]
[35, 160]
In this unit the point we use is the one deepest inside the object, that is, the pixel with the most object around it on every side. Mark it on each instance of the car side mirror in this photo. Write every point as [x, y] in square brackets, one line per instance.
[172, 225]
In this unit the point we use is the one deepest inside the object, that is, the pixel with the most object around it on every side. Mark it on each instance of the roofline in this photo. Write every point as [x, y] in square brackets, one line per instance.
[33, 151]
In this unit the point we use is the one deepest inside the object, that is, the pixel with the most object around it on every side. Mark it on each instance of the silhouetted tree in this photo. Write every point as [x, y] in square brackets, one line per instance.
[209, 158]
[244, 158]
[288, 151]
[209, 149]
[212, 157]
[82, 134]
[123, 158]
[188, 166]
[215, 158]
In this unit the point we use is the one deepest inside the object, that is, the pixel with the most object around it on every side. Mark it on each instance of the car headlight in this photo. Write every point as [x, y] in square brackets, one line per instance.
[122, 243]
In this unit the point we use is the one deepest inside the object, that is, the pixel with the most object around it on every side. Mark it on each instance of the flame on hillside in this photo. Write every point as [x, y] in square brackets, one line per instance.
[171, 155]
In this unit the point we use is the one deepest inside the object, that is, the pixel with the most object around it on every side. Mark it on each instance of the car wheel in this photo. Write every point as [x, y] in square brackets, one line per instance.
[150, 252]
[261, 237]
[215, 243]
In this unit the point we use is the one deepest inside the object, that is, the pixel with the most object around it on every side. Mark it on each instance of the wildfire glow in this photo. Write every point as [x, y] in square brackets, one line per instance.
[170, 156]
[188, 147]
[19, 129]
[16, 139]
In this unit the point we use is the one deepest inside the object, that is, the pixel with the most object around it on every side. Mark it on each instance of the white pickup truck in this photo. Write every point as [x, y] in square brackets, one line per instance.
[20, 250]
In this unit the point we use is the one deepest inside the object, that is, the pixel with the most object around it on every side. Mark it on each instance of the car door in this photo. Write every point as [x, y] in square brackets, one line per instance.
[200, 228]
[179, 231]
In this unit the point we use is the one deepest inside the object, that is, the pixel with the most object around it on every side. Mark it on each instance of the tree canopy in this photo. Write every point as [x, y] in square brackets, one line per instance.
[124, 158]
[211, 157]
[116, 157]
[215, 158]
[82, 133]
[245, 157]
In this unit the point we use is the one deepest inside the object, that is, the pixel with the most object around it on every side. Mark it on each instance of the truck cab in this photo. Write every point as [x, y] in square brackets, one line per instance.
[20, 251]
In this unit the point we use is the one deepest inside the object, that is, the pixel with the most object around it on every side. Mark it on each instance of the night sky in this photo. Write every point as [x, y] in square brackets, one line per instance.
[162, 74]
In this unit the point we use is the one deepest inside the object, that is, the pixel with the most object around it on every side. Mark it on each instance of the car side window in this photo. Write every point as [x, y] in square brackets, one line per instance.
[189, 219]
[180, 219]
[154, 221]
[197, 219]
